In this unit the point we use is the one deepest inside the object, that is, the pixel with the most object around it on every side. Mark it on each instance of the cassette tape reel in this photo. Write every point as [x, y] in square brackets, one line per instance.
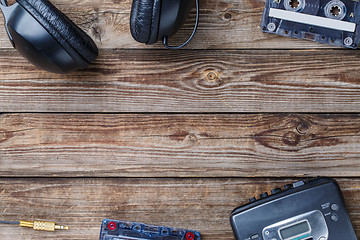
[335, 22]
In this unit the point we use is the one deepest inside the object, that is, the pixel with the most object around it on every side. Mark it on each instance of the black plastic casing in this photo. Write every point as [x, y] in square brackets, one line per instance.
[36, 44]
[172, 16]
[249, 220]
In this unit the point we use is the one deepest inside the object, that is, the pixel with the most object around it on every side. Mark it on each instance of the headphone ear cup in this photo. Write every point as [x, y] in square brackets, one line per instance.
[71, 37]
[145, 20]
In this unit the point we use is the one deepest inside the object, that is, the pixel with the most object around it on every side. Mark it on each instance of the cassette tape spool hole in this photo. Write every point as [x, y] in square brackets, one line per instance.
[190, 236]
[294, 5]
[271, 27]
[112, 226]
[348, 41]
[335, 9]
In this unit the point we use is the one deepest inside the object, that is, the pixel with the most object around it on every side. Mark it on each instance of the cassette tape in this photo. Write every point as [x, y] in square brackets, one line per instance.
[123, 230]
[335, 22]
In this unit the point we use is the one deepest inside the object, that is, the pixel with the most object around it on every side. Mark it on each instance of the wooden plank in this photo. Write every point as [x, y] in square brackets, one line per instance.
[188, 81]
[193, 145]
[200, 204]
[224, 24]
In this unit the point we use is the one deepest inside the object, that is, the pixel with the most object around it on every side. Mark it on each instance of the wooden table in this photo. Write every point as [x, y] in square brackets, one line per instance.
[178, 138]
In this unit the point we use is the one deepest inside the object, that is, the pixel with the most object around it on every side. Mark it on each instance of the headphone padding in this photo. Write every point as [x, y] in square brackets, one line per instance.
[145, 20]
[71, 37]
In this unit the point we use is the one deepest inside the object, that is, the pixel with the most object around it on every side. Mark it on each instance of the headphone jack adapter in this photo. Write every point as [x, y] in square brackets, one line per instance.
[39, 225]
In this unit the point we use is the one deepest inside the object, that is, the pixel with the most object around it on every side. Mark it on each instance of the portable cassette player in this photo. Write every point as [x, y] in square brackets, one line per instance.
[312, 210]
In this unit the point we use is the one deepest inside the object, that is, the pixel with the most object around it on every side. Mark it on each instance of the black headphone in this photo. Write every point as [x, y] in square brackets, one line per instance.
[153, 20]
[46, 37]
[51, 41]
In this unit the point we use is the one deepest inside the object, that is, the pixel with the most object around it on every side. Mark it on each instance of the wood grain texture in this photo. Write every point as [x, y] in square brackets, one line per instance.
[199, 204]
[188, 81]
[160, 145]
[230, 67]
[224, 24]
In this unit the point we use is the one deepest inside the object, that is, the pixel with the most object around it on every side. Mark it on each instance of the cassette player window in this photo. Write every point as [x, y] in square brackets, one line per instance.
[295, 230]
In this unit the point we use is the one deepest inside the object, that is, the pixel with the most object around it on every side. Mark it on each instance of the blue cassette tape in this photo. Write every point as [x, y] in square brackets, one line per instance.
[123, 230]
[335, 22]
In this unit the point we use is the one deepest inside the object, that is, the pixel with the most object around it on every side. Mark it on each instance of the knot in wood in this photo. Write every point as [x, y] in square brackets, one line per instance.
[4, 135]
[211, 80]
[227, 15]
[98, 32]
[211, 76]
[192, 138]
[302, 128]
[291, 139]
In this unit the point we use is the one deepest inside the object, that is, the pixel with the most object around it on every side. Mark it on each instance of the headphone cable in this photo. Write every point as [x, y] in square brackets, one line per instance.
[7, 222]
[165, 40]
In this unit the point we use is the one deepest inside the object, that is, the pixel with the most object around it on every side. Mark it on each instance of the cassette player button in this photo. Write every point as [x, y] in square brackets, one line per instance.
[264, 195]
[334, 207]
[255, 236]
[275, 190]
[298, 184]
[334, 217]
[253, 199]
[288, 186]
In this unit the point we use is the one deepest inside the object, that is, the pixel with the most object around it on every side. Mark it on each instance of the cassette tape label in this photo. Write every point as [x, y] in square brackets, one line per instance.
[334, 22]
[312, 20]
